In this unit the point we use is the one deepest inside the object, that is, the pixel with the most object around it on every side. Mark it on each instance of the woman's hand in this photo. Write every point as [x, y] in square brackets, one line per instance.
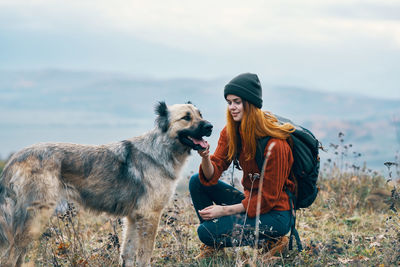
[212, 212]
[204, 153]
[216, 211]
[206, 164]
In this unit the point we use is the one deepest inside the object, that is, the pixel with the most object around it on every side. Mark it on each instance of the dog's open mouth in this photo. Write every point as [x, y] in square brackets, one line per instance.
[193, 143]
[200, 142]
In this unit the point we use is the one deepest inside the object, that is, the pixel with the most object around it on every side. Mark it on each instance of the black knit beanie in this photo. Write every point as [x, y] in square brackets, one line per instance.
[247, 86]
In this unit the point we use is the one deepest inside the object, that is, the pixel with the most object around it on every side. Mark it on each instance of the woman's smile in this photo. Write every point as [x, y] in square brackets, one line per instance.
[235, 106]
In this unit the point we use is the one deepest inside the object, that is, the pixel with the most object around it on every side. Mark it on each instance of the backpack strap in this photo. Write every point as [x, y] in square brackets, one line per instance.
[292, 177]
[260, 148]
[293, 231]
[293, 206]
[236, 158]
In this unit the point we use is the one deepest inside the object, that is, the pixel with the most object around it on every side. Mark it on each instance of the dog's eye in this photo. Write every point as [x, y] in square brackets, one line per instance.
[187, 118]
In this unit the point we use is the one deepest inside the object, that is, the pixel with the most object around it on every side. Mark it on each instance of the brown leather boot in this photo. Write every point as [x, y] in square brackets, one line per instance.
[208, 252]
[273, 247]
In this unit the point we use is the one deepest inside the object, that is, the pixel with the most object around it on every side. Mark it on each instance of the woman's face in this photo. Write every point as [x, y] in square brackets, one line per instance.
[235, 107]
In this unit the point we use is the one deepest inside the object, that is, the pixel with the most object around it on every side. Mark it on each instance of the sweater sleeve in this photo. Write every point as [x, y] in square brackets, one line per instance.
[218, 160]
[276, 173]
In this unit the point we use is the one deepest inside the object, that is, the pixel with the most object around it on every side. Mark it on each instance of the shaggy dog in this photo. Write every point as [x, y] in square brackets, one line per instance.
[134, 178]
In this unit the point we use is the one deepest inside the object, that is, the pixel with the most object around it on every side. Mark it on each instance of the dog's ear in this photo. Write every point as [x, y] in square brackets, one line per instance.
[162, 118]
[190, 102]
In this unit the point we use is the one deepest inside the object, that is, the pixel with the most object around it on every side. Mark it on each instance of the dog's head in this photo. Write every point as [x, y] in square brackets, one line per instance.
[185, 123]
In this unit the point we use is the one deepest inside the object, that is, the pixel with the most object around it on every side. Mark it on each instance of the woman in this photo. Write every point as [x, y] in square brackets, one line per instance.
[227, 216]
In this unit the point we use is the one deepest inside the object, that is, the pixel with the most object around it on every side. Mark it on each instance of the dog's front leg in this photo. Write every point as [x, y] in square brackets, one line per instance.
[148, 230]
[129, 242]
[139, 237]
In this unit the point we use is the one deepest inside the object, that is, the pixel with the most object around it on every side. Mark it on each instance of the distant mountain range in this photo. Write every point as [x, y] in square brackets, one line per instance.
[86, 107]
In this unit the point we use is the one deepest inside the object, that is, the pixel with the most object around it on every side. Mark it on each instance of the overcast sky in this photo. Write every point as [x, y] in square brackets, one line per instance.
[344, 46]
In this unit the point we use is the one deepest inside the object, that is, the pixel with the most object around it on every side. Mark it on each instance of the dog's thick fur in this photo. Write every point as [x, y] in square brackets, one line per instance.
[134, 178]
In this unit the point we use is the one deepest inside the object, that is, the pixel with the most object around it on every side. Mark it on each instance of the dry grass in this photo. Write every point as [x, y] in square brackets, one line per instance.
[343, 227]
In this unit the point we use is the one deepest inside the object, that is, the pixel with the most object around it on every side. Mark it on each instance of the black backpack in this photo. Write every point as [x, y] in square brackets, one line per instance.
[305, 170]
[305, 167]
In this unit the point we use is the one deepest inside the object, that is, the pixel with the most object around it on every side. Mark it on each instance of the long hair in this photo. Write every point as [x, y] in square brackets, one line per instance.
[255, 124]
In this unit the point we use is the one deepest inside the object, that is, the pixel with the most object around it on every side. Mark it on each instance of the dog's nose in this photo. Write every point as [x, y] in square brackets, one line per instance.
[208, 127]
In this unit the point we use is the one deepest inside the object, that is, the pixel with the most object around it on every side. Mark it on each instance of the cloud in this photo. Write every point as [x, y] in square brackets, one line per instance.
[217, 25]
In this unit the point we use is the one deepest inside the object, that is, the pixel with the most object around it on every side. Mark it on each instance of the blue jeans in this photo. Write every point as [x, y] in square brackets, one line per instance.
[237, 229]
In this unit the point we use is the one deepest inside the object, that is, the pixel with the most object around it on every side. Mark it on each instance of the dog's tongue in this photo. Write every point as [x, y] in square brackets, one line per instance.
[203, 143]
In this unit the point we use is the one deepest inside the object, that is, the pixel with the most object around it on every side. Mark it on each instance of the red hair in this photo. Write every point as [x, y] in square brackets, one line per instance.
[255, 124]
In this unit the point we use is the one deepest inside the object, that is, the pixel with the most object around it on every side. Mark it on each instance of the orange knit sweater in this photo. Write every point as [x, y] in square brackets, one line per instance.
[276, 175]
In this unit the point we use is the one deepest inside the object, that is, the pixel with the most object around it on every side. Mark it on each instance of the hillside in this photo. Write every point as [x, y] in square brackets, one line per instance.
[86, 107]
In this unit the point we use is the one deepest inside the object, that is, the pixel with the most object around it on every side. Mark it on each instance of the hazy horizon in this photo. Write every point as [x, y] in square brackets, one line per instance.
[99, 108]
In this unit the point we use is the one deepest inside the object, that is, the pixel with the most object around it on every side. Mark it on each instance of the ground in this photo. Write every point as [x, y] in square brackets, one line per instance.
[354, 221]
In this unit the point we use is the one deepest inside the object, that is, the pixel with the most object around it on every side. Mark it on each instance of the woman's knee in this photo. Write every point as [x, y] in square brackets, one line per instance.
[194, 182]
[206, 236]
[276, 223]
